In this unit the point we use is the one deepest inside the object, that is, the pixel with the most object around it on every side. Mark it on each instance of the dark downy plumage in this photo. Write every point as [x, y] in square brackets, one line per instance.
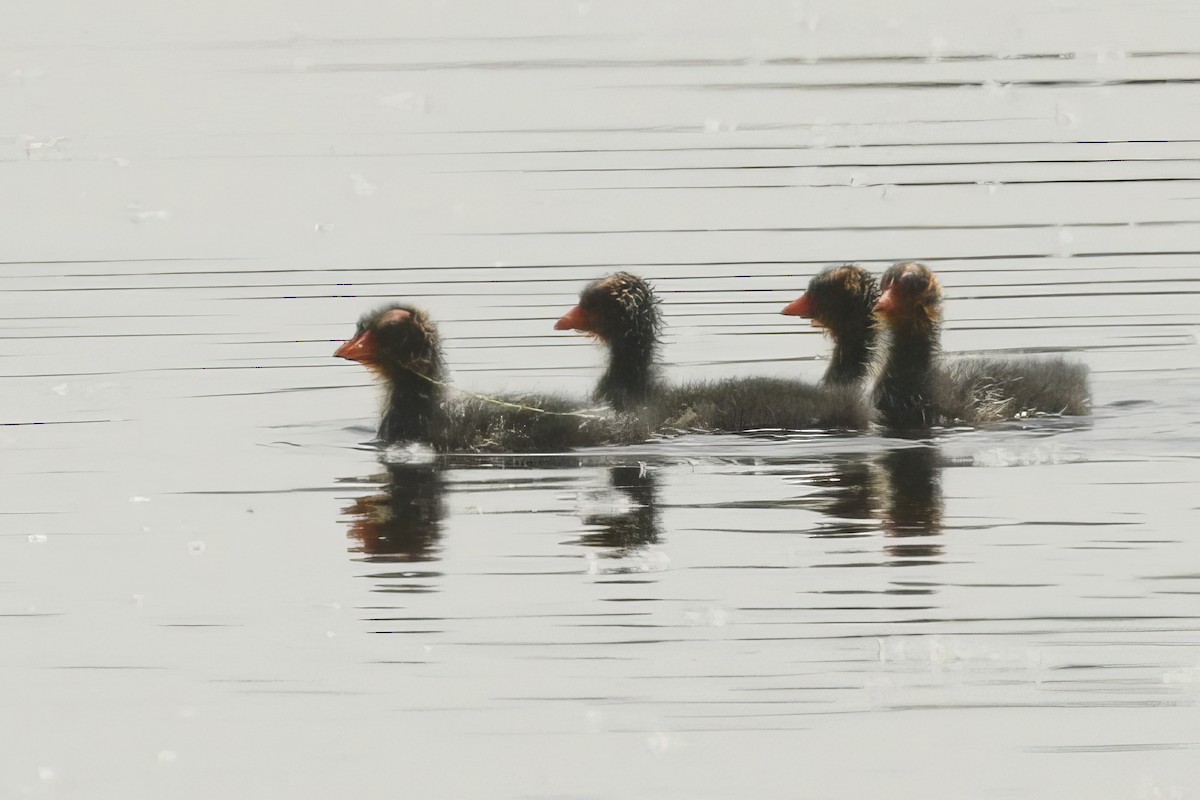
[731, 405]
[842, 300]
[621, 311]
[917, 388]
[911, 310]
[401, 345]
[981, 390]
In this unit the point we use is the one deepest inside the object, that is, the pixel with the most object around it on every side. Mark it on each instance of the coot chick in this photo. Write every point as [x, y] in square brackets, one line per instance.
[621, 311]
[401, 345]
[911, 311]
[841, 300]
[916, 388]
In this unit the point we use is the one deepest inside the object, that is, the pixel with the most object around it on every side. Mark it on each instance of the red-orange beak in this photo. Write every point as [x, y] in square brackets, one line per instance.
[800, 307]
[361, 348]
[575, 320]
[889, 304]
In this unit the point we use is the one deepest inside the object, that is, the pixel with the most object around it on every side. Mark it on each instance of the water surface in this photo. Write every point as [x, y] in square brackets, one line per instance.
[212, 587]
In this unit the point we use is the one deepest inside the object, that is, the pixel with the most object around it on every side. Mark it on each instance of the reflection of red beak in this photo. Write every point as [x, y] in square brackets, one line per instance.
[575, 320]
[800, 307]
[889, 304]
[361, 348]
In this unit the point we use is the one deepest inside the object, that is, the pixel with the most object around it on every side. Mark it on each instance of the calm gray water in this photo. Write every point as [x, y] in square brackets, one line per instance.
[209, 587]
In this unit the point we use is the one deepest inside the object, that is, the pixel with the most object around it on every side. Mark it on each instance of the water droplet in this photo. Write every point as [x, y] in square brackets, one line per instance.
[661, 742]
[414, 102]
[1066, 119]
[718, 617]
[362, 186]
[139, 215]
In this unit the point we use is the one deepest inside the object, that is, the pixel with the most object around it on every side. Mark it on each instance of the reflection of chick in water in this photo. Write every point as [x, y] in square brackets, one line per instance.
[405, 522]
[634, 526]
[910, 500]
[902, 489]
[844, 495]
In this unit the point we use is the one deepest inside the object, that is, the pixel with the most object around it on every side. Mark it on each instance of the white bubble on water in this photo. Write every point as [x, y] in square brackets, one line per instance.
[22, 74]
[653, 561]
[1064, 239]
[43, 149]
[414, 102]
[1186, 675]
[1150, 789]
[661, 741]
[937, 46]
[138, 214]
[1065, 118]
[709, 617]
[362, 186]
[1042, 455]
